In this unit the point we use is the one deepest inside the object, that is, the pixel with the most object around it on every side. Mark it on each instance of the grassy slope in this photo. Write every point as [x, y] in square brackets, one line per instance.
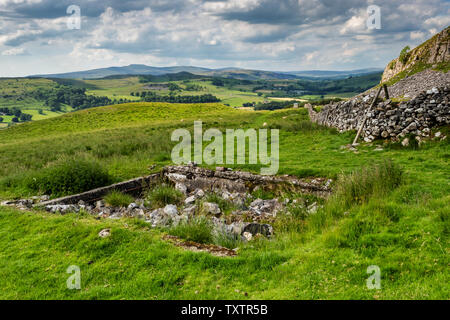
[405, 232]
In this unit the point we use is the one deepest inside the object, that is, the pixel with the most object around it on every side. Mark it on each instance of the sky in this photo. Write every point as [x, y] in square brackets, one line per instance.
[43, 36]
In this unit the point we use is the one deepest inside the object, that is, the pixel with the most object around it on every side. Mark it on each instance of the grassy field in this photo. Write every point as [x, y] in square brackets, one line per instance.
[14, 94]
[121, 88]
[404, 229]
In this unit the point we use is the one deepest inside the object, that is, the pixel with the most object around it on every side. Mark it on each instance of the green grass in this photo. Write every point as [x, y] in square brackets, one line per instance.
[118, 199]
[361, 185]
[401, 227]
[197, 229]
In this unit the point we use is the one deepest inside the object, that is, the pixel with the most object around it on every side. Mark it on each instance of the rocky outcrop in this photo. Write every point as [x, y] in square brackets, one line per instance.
[432, 52]
[388, 119]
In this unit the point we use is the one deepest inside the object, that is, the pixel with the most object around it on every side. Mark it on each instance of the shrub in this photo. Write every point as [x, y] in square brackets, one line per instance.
[224, 205]
[405, 54]
[263, 194]
[198, 229]
[68, 177]
[164, 195]
[118, 199]
[359, 186]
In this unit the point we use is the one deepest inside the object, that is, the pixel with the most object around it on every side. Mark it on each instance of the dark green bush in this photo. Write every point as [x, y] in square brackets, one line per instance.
[68, 177]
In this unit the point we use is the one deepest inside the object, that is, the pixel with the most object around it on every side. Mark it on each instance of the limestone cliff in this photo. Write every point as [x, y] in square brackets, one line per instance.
[431, 54]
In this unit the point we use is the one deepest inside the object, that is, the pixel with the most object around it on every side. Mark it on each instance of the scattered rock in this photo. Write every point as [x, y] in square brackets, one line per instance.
[132, 206]
[181, 187]
[405, 142]
[190, 200]
[211, 208]
[105, 233]
[171, 210]
[99, 204]
[247, 236]
[313, 208]
[199, 193]
[265, 207]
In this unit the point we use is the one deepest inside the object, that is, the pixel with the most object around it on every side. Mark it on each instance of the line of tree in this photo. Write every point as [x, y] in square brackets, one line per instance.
[11, 112]
[276, 105]
[319, 87]
[74, 97]
[206, 98]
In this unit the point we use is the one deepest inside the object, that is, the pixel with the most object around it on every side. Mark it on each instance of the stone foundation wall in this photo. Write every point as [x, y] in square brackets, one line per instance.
[222, 179]
[133, 186]
[189, 178]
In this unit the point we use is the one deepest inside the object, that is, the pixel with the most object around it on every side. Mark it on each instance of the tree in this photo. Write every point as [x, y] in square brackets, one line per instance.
[25, 117]
[15, 119]
[16, 112]
[218, 82]
[53, 103]
[405, 54]
[174, 87]
[1, 119]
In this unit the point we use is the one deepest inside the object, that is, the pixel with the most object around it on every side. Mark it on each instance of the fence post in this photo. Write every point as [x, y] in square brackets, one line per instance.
[365, 117]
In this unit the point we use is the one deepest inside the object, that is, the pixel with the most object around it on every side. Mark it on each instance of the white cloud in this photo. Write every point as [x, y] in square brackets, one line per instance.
[14, 52]
[356, 24]
[417, 35]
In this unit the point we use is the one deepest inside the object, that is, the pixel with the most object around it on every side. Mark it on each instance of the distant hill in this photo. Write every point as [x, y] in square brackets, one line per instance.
[133, 69]
[232, 73]
[319, 74]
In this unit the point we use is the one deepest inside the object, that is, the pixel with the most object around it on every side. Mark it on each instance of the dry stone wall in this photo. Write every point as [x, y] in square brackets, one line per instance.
[388, 120]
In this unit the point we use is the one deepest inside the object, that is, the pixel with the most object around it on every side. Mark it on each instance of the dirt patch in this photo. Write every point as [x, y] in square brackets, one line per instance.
[198, 247]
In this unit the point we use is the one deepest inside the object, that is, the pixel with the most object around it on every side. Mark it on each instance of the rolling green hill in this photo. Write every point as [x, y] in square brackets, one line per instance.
[43, 98]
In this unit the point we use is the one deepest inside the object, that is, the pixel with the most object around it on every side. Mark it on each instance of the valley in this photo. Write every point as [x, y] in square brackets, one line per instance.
[39, 97]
